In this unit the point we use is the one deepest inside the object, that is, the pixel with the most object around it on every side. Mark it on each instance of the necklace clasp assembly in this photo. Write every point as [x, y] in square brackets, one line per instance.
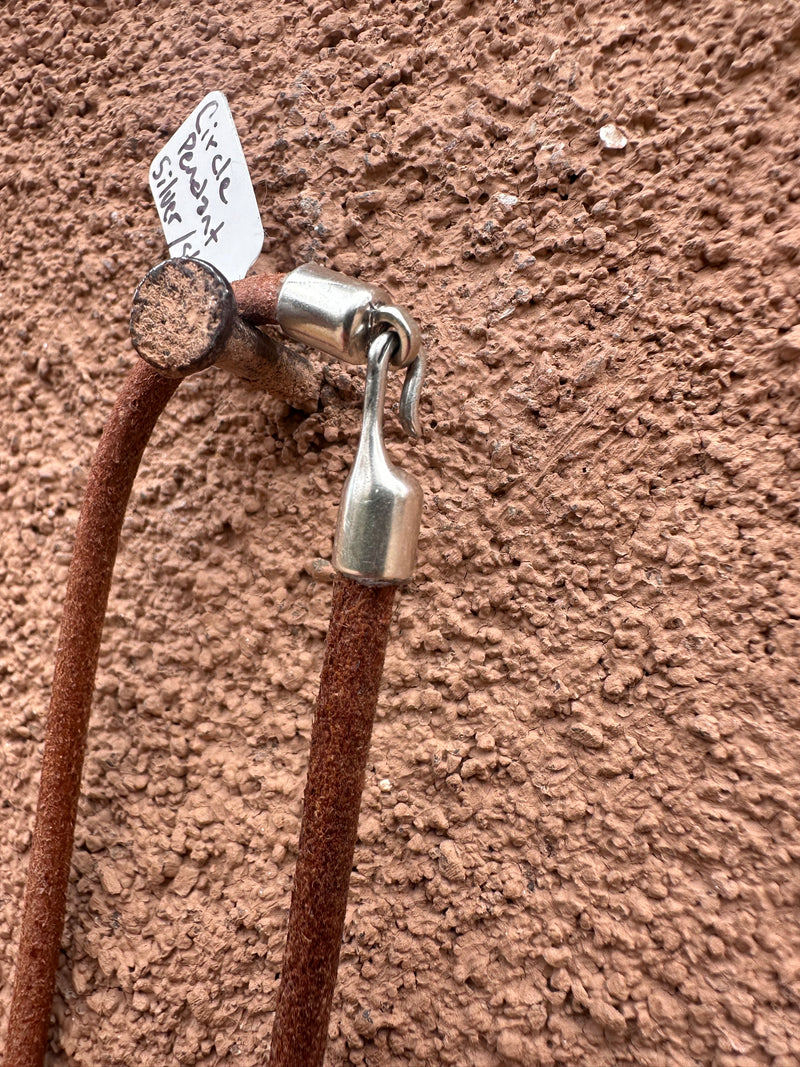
[379, 517]
[341, 316]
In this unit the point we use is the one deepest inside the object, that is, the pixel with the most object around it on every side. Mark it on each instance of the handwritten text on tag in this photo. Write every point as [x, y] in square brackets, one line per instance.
[203, 193]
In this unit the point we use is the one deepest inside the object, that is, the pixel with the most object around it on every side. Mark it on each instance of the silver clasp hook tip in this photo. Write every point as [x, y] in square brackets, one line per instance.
[409, 398]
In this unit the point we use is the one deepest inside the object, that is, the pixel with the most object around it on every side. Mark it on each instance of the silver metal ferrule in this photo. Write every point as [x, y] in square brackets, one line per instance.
[381, 509]
[341, 316]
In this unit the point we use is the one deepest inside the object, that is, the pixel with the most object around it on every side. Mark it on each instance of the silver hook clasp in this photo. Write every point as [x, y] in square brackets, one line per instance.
[342, 316]
[381, 509]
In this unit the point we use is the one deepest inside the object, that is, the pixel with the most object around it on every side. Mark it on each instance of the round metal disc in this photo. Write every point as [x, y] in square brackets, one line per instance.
[183, 313]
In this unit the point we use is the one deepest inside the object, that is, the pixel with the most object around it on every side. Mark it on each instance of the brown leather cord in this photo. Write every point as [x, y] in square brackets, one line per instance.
[257, 297]
[144, 396]
[340, 738]
[340, 744]
[272, 367]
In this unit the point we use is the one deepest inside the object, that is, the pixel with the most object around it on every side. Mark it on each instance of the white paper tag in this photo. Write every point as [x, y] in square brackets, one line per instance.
[203, 192]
